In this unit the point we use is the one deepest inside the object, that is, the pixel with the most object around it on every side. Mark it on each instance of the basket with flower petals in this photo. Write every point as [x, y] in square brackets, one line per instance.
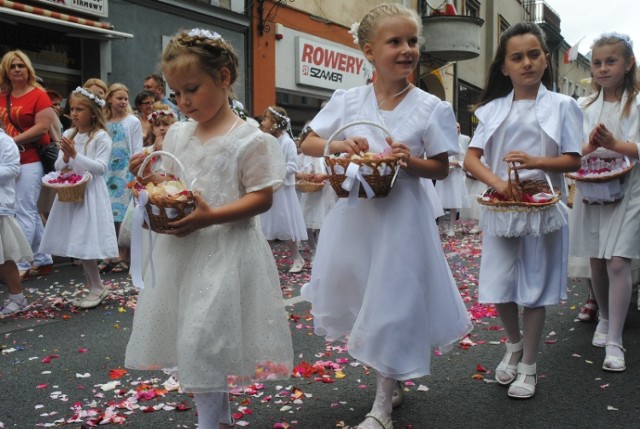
[375, 172]
[166, 201]
[531, 210]
[69, 185]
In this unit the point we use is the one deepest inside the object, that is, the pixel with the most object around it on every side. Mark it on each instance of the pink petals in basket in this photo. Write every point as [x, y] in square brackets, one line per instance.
[63, 179]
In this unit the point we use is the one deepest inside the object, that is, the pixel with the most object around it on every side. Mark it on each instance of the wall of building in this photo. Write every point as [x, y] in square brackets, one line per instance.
[132, 60]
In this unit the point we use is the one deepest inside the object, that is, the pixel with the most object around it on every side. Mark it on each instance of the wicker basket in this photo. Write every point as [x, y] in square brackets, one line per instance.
[163, 210]
[68, 193]
[602, 178]
[380, 184]
[306, 186]
[527, 187]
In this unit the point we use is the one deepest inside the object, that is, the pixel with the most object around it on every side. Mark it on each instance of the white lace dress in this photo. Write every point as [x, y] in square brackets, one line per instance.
[216, 311]
[380, 279]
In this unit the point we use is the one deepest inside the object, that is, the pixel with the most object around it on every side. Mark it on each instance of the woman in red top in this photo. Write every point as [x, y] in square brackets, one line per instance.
[28, 124]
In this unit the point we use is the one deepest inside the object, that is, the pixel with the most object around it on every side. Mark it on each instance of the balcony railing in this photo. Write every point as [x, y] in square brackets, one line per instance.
[542, 13]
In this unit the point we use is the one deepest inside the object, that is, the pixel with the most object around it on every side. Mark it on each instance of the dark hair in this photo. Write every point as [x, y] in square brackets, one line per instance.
[498, 85]
[630, 82]
[158, 78]
[142, 95]
[53, 94]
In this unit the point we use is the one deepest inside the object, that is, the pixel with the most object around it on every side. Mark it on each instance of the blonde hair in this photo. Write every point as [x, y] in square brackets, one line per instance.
[211, 54]
[94, 81]
[113, 89]
[98, 121]
[162, 119]
[367, 28]
[5, 66]
[630, 82]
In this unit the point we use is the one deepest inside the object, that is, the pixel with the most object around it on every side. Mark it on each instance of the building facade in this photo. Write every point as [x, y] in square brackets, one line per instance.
[69, 41]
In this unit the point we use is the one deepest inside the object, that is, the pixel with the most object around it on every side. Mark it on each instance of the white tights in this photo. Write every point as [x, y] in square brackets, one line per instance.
[92, 273]
[213, 410]
[532, 324]
[612, 284]
[382, 406]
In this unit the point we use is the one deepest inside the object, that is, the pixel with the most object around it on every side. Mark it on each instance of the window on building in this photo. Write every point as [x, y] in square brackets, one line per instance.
[471, 8]
[503, 24]
[468, 95]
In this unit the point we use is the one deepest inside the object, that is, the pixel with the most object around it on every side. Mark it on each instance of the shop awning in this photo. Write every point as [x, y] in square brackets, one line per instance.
[75, 26]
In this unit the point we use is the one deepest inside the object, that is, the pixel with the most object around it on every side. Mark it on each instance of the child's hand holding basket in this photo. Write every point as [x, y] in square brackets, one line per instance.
[519, 208]
[363, 175]
[164, 201]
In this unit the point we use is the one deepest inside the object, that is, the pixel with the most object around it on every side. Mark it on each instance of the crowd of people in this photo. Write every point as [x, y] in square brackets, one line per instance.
[380, 280]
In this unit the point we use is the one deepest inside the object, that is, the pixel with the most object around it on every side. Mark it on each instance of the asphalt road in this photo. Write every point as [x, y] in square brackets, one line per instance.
[57, 363]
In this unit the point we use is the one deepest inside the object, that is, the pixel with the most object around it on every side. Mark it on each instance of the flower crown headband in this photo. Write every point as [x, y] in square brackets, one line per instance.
[281, 118]
[200, 32]
[624, 38]
[354, 32]
[158, 113]
[90, 95]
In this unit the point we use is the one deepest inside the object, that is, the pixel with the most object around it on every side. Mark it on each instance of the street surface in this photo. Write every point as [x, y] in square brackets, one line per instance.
[60, 366]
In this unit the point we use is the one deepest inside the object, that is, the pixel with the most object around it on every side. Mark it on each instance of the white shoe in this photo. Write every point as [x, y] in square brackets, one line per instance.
[614, 363]
[475, 230]
[520, 389]
[12, 307]
[297, 266]
[451, 233]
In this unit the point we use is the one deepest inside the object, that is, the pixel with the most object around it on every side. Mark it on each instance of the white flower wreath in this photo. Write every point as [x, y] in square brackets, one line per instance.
[354, 32]
[90, 95]
[204, 33]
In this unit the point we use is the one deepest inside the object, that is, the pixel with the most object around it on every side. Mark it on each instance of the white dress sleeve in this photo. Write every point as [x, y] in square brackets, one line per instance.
[331, 117]
[440, 134]
[261, 163]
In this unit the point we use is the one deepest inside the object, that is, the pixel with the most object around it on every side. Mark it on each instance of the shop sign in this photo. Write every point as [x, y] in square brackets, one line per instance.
[91, 7]
[329, 67]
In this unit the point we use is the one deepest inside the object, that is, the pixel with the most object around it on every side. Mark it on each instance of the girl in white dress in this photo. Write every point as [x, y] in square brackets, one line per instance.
[284, 221]
[380, 279]
[524, 123]
[315, 205]
[215, 313]
[14, 246]
[84, 230]
[452, 190]
[608, 233]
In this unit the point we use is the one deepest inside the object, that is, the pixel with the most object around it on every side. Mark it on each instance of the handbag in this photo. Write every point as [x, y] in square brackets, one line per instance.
[48, 153]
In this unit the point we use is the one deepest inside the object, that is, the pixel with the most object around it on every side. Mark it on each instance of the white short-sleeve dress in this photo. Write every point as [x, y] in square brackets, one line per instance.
[380, 279]
[84, 230]
[604, 231]
[215, 312]
[284, 220]
[529, 270]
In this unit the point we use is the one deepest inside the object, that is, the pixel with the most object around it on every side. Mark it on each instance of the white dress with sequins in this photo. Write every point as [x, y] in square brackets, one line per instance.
[215, 311]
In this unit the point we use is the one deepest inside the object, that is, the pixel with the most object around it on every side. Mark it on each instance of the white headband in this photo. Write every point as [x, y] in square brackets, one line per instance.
[90, 95]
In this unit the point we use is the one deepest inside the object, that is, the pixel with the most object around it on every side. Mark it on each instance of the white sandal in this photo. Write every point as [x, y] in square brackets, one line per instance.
[599, 338]
[520, 389]
[384, 422]
[614, 363]
[505, 366]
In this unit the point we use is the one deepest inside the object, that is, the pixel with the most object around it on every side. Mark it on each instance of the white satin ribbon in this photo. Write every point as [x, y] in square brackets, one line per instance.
[140, 216]
[353, 181]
